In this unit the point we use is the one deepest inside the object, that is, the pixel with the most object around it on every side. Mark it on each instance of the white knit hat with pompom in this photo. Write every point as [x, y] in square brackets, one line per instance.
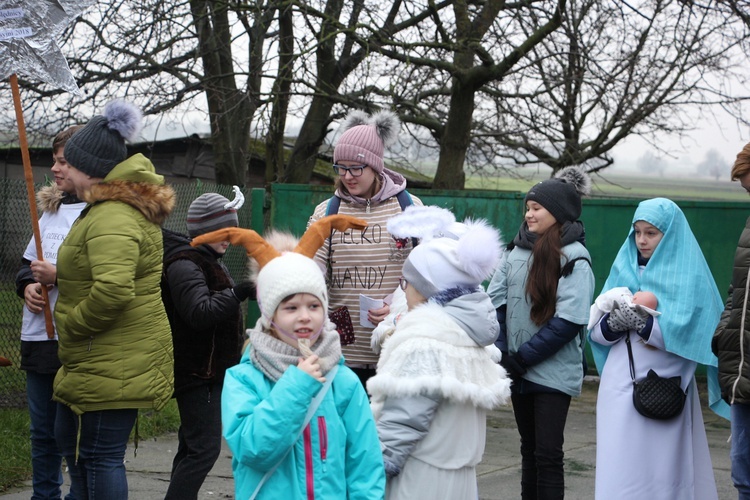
[451, 254]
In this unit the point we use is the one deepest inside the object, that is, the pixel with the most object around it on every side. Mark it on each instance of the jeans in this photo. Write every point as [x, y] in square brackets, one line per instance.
[46, 459]
[99, 471]
[199, 440]
[740, 451]
[540, 418]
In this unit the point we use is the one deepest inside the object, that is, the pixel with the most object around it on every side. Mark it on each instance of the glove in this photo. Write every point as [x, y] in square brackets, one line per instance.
[514, 365]
[607, 331]
[244, 290]
[623, 317]
[391, 469]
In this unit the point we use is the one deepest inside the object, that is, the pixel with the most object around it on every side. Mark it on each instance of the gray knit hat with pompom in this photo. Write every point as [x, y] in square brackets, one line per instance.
[100, 144]
[561, 195]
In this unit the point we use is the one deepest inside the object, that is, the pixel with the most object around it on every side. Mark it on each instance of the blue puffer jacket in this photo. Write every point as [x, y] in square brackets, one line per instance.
[338, 454]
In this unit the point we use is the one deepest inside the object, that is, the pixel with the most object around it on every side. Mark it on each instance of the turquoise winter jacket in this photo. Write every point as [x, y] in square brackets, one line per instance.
[338, 454]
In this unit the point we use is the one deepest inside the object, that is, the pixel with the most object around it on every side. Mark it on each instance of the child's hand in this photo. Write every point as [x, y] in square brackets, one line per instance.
[311, 366]
[32, 295]
[377, 315]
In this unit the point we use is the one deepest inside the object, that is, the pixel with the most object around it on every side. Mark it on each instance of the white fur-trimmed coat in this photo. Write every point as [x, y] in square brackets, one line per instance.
[433, 387]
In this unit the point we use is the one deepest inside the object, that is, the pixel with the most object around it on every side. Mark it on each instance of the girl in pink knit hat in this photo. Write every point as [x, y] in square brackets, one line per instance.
[366, 262]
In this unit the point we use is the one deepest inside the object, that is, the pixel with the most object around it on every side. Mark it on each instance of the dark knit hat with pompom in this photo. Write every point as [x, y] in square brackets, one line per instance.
[100, 144]
[561, 195]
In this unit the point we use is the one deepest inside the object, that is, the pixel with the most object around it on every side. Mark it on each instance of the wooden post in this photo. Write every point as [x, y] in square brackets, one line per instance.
[29, 176]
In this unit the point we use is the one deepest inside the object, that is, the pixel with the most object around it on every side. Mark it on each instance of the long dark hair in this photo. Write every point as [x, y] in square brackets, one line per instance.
[541, 284]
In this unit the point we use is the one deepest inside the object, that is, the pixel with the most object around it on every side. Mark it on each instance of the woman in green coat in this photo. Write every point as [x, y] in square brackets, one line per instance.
[115, 343]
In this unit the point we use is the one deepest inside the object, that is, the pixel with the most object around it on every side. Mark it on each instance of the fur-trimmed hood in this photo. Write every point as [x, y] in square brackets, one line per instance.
[49, 198]
[136, 183]
[429, 354]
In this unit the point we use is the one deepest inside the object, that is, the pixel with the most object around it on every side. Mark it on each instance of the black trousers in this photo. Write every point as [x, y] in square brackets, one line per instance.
[541, 423]
[199, 440]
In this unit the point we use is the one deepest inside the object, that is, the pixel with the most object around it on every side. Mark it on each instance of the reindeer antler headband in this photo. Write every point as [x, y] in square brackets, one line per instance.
[262, 251]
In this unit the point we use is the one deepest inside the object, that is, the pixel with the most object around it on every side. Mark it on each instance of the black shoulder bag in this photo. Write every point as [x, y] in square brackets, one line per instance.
[654, 396]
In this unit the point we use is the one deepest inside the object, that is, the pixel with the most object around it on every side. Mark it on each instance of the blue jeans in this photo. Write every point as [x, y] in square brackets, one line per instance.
[740, 451]
[199, 440]
[99, 471]
[46, 459]
[541, 418]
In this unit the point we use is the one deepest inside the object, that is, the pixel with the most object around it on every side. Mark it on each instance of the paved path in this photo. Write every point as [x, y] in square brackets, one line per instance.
[499, 474]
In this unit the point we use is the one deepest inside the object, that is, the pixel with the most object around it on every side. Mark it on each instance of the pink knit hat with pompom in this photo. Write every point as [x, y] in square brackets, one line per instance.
[365, 138]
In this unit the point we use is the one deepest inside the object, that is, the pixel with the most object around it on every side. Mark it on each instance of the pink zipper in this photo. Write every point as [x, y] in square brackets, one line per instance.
[309, 464]
[323, 437]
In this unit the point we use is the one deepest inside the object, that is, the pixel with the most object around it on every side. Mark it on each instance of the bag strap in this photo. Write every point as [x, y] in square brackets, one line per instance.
[314, 404]
[404, 199]
[630, 356]
[567, 269]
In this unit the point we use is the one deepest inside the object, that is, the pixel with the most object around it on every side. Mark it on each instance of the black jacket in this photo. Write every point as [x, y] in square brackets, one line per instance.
[203, 311]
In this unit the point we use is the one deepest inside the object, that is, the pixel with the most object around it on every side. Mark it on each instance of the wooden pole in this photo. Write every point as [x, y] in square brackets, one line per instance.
[29, 176]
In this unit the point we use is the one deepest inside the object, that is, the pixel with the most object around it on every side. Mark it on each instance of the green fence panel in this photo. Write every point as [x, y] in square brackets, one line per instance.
[716, 225]
[292, 204]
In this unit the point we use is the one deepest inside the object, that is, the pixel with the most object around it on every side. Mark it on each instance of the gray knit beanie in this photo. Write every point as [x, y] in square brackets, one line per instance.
[100, 144]
[561, 195]
[209, 212]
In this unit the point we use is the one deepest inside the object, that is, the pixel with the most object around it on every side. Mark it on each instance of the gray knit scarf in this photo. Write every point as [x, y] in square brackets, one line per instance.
[273, 356]
[569, 233]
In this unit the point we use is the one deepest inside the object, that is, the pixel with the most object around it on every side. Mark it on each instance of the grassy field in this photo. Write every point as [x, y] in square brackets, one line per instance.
[626, 186]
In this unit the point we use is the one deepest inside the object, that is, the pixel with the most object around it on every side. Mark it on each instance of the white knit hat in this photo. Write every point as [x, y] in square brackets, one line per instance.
[290, 274]
[450, 255]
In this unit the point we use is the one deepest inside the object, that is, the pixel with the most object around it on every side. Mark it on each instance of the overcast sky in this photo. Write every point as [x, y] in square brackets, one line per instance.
[722, 134]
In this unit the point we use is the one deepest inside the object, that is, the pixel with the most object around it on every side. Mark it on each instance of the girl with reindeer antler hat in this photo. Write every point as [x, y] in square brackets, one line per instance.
[290, 436]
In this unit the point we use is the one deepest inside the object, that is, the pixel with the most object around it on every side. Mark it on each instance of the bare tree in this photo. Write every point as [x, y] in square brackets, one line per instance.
[347, 34]
[713, 165]
[495, 83]
[446, 61]
[609, 72]
[650, 163]
[166, 56]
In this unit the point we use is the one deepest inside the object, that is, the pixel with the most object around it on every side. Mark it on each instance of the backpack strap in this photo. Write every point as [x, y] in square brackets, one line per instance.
[334, 202]
[404, 199]
[568, 267]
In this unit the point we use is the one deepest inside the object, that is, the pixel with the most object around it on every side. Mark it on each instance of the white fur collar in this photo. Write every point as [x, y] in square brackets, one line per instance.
[429, 354]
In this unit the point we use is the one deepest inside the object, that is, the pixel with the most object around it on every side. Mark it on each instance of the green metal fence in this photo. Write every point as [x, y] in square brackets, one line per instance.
[717, 226]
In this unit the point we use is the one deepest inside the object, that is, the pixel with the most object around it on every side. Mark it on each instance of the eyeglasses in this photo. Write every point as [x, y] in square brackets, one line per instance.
[403, 283]
[355, 170]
